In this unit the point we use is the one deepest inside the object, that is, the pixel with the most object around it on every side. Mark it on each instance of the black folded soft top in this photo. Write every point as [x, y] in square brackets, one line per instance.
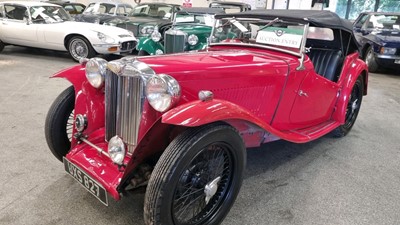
[318, 18]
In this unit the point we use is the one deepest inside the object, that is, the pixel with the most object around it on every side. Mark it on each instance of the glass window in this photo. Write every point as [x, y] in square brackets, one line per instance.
[15, 12]
[1, 11]
[389, 6]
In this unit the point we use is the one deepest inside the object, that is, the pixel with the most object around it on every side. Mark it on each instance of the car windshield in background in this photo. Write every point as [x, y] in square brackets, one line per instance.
[107, 8]
[275, 34]
[159, 11]
[205, 19]
[386, 22]
[48, 14]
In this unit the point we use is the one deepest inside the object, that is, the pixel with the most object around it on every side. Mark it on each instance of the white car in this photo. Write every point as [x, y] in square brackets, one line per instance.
[48, 26]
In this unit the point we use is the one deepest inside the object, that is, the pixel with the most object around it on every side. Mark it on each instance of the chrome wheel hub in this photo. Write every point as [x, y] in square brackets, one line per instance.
[211, 188]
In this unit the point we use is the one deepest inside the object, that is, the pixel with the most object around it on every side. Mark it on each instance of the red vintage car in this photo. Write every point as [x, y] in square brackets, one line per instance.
[181, 123]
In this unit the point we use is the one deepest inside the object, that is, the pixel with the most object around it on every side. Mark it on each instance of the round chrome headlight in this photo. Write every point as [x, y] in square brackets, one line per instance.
[105, 38]
[193, 39]
[156, 36]
[162, 92]
[96, 69]
[147, 30]
[116, 150]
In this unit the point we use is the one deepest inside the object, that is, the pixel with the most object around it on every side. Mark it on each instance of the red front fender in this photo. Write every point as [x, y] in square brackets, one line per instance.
[74, 74]
[198, 113]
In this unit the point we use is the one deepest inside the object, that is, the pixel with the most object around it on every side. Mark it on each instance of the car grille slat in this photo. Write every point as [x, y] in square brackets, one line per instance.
[128, 45]
[124, 96]
[174, 41]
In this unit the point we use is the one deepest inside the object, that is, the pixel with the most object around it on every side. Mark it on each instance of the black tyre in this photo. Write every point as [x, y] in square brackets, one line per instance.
[79, 47]
[59, 123]
[353, 107]
[370, 60]
[1, 46]
[197, 178]
[143, 53]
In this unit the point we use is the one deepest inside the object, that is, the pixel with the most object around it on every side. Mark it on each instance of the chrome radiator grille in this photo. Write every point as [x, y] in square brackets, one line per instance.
[123, 102]
[175, 41]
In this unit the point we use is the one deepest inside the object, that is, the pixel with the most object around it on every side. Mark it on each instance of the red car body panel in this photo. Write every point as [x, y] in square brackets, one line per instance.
[269, 101]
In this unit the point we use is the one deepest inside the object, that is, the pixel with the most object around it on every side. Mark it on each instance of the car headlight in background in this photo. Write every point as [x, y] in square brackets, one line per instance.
[388, 51]
[116, 150]
[147, 30]
[156, 36]
[193, 39]
[162, 92]
[96, 69]
[105, 38]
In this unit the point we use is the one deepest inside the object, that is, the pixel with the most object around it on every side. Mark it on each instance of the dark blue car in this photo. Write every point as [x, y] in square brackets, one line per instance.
[378, 33]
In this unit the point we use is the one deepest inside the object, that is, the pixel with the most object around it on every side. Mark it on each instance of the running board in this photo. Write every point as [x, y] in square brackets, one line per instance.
[311, 133]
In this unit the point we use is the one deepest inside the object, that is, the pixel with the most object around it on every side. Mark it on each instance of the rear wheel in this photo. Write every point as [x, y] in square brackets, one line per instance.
[59, 123]
[79, 47]
[353, 107]
[370, 60]
[197, 178]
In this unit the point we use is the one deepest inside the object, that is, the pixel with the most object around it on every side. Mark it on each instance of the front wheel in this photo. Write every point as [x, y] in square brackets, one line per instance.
[79, 47]
[353, 107]
[59, 123]
[143, 53]
[197, 178]
[371, 61]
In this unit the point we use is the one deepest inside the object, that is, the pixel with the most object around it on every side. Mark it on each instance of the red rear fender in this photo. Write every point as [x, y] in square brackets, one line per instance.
[354, 70]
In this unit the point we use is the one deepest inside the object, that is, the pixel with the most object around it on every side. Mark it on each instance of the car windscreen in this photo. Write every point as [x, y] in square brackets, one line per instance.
[205, 19]
[385, 22]
[277, 34]
[100, 8]
[48, 14]
[152, 10]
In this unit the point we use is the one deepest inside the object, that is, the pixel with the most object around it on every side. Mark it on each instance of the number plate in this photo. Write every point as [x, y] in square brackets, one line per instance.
[86, 181]
[397, 61]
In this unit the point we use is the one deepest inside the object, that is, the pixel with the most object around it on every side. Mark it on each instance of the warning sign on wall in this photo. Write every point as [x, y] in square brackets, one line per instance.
[187, 3]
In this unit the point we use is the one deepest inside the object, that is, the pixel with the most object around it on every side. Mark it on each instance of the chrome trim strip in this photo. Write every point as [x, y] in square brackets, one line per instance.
[98, 149]
[387, 56]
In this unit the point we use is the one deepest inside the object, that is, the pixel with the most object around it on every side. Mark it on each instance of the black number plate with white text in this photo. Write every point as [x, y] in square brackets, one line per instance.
[86, 181]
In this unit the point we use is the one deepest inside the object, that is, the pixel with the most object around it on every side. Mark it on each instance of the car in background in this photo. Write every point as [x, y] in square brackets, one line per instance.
[101, 12]
[230, 7]
[49, 26]
[73, 8]
[143, 19]
[378, 34]
[189, 31]
[180, 123]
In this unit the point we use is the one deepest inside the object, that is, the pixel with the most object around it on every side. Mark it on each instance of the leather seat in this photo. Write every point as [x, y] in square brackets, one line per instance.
[327, 62]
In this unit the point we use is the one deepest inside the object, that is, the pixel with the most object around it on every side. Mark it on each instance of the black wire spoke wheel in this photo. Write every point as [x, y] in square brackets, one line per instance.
[353, 107]
[203, 185]
[197, 178]
[70, 126]
[60, 122]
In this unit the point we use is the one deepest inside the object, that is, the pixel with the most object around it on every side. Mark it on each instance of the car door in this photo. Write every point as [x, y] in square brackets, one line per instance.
[314, 101]
[15, 27]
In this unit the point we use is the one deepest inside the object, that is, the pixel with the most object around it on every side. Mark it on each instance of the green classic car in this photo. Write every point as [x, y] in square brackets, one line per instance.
[189, 31]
